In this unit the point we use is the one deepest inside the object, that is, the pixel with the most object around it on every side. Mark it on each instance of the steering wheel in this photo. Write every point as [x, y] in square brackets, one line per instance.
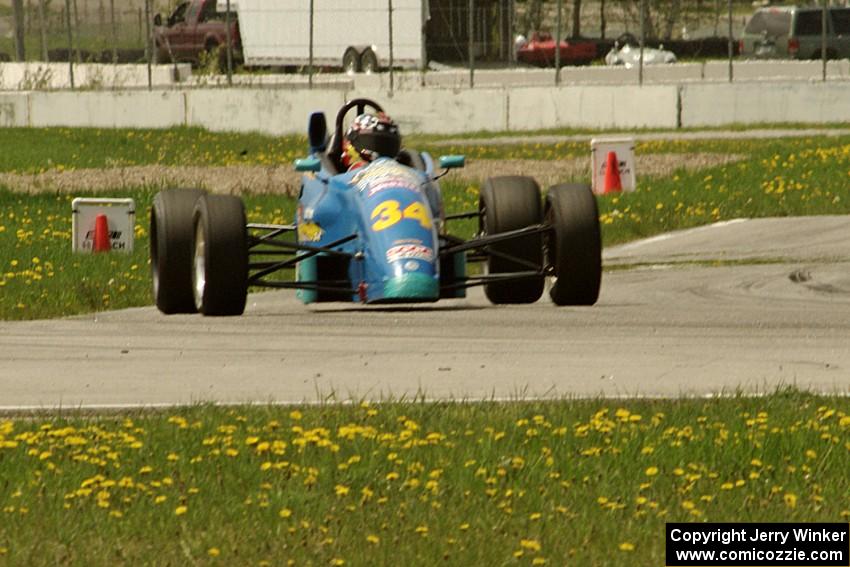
[360, 104]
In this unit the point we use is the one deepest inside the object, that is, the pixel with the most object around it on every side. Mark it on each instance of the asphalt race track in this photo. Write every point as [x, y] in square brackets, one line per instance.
[741, 305]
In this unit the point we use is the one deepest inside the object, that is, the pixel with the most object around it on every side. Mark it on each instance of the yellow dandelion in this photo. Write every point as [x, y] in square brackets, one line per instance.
[531, 544]
[180, 510]
[285, 513]
[627, 546]
[373, 539]
[790, 499]
[213, 552]
[651, 471]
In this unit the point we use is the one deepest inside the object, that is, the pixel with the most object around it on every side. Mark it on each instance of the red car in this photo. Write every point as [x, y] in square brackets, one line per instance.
[540, 50]
[194, 27]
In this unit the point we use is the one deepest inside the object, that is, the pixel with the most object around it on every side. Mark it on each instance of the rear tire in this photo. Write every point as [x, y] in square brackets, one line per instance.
[171, 245]
[574, 247]
[351, 61]
[369, 62]
[509, 203]
[220, 266]
[411, 158]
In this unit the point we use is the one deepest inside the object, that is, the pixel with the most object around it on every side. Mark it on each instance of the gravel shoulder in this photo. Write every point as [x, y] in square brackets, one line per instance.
[755, 134]
[284, 180]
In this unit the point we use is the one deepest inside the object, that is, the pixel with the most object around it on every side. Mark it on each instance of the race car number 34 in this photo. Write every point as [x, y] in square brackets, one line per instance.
[389, 213]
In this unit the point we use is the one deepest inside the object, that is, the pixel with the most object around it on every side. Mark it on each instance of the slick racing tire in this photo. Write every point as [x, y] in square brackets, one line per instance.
[220, 261]
[510, 203]
[574, 245]
[411, 158]
[369, 62]
[351, 61]
[171, 234]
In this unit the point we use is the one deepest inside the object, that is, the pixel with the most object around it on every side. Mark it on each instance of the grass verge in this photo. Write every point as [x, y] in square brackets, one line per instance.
[33, 150]
[587, 482]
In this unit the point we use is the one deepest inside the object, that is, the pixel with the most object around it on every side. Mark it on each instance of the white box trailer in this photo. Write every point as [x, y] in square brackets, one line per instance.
[351, 35]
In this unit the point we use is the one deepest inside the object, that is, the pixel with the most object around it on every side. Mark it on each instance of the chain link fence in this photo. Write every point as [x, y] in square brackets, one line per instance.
[102, 31]
[454, 34]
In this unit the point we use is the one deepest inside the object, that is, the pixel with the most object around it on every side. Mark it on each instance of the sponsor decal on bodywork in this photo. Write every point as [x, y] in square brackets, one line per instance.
[410, 252]
[309, 232]
[389, 212]
[385, 175]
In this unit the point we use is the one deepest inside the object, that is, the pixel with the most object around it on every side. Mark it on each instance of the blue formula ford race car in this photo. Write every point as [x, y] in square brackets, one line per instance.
[377, 234]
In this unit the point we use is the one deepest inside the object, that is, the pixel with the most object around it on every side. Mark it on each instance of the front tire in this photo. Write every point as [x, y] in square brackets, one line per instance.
[220, 264]
[171, 234]
[574, 246]
[510, 203]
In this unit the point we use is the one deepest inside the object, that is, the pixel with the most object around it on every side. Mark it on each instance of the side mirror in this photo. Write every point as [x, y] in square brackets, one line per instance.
[452, 162]
[308, 164]
[317, 132]
[157, 20]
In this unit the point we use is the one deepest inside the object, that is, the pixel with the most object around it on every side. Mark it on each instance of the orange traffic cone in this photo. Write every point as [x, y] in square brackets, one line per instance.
[612, 174]
[100, 242]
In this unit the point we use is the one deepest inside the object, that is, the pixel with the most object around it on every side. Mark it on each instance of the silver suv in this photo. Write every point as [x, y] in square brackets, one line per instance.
[795, 32]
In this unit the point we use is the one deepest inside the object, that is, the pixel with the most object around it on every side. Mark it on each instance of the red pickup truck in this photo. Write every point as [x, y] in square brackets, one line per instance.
[194, 27]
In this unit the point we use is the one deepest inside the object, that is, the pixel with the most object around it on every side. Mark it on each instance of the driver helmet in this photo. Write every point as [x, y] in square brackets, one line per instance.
[369, 137]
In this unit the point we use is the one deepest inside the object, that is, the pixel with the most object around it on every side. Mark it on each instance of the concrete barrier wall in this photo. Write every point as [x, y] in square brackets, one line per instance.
[442, 111]
[14, 110]
[523, 77]
[775, 70]
[754, 103]
[714, 71]
[593, 107]
[272, 111]
[107, 109]
[52, 76]
[447, 111]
